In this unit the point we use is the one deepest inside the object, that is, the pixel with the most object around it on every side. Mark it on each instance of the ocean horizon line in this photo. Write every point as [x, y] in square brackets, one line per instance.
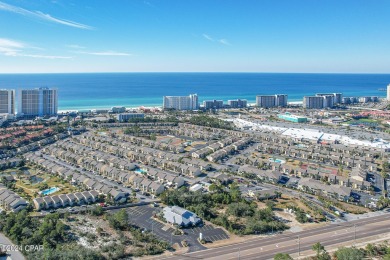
[196, 72]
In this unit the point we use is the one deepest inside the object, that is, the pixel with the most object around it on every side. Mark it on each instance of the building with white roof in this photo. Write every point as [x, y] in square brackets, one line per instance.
[179, 216]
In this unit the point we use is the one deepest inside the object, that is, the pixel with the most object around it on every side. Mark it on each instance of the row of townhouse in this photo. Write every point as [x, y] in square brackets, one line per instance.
[224, 132]
[179, 148]
[338, 192]
[65, 200]
[265, 175]
[146, 185]
[10, 163]
[323, 156]
[227, 150]
[204, 132]
[117, 175]
[116, 194]
[112, 173]
[163, 177]
[120, 148]
[176, 167]
[213, 147]
[355, 182]
[77, 178]
[308, 151]
[310, 185]
[194, 134]
[10, 201]
[157, 125]
[136, 153]
[149, 156]
[68, 151]
[202, 165]
[286, 168]
[38, 144]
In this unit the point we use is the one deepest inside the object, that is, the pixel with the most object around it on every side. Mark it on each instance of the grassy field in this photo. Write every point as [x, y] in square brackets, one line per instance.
[52, 181]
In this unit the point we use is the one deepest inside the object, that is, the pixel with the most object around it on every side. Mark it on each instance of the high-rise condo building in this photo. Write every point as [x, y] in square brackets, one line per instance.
[388, 92]
[37, 102]
[337, 97]
[316, 102]
[267, 101]
[7, 101]
[181, 102]
[281, 100]
[238, 103]
[213, 104]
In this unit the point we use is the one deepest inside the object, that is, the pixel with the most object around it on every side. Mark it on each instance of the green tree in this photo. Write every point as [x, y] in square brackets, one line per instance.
[321, 253]
[97, 211]
[351, 253]
[282, 256]
[370, 249]
[119, 220]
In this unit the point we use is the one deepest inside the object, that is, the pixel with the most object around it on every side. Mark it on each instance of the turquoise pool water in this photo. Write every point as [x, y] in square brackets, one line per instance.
[50, 191]
[141, 171]
[277, 160]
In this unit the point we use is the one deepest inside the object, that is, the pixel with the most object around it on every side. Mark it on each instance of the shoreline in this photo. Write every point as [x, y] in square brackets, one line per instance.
[146, 106]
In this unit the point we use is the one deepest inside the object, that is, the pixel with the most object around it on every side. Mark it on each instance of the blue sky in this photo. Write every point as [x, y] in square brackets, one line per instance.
[194, 35]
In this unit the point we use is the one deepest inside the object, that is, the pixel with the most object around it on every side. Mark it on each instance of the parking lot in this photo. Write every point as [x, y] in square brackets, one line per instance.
[142, 216]
[209, 233]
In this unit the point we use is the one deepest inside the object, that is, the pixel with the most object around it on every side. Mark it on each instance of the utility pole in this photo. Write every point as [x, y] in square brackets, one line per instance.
[239, 253]
[354, 241]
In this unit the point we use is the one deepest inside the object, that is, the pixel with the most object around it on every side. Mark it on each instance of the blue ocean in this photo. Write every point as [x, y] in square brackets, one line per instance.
[104, 90]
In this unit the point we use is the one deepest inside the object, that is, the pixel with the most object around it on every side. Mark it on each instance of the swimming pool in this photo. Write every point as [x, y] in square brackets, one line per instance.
[141, 171]
[277, 160]
[50, 191]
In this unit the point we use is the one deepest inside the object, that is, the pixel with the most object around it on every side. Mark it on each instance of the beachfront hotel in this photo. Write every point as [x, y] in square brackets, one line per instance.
[337, 97]
[322, 100]
[181, 102]
[238, 103]
[37, 102]
[311, 102]
[388, 92]
[213, 104]
[7, 101]
[267, 101]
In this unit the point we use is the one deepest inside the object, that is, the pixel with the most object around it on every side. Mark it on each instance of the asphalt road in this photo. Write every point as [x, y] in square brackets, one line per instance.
[15, 255]
[266, 248]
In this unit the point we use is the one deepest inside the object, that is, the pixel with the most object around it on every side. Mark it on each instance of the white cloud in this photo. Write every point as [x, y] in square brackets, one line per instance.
[50, 57]
[106, 53]
[42, 16]
[208, 37]
[75, 46]
[10, 47]
[14, 48]
[149, 4]
[224, 42]
[212, 39]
